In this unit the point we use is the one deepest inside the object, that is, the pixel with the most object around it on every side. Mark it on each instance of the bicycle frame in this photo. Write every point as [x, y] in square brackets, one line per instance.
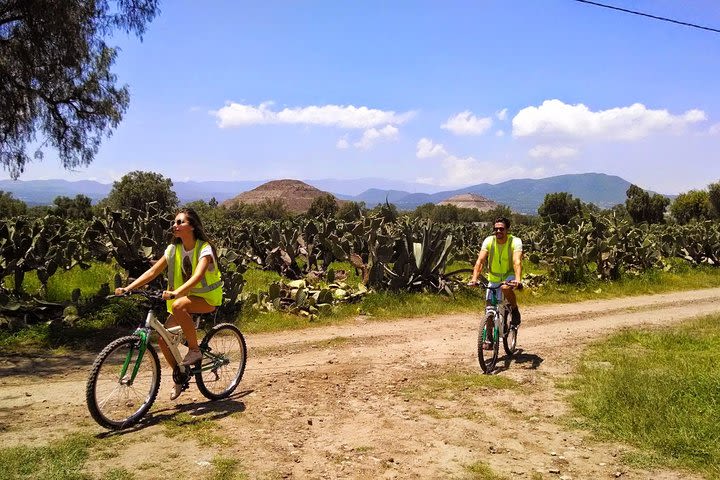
[495, 309]
[172, 337]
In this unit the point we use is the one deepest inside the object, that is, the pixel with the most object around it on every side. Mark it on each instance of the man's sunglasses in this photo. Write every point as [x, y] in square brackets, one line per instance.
[499, 229]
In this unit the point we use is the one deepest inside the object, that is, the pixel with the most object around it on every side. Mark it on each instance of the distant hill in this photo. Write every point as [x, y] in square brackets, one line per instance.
[43, 192]
[470, 200]
[296, 195]
[523, 196]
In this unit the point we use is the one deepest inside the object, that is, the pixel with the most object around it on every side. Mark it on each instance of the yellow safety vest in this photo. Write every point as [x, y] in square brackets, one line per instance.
[500, 264]
[209, 287]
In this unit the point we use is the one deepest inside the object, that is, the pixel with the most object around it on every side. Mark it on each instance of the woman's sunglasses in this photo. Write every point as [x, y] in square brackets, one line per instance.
[177, 222]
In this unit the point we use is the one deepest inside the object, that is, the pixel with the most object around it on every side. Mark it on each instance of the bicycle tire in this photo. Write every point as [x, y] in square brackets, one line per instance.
[510, 337]
[487, 358]
[225, 345]
[113, 403]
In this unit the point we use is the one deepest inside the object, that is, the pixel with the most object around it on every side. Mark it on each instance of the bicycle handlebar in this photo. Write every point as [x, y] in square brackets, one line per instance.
[150, 294]
[486, 284]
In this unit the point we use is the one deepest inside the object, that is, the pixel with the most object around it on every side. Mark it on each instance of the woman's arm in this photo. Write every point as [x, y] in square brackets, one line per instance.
[146, 277]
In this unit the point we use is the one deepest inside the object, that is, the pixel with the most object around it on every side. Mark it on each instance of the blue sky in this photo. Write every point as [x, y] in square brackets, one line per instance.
[445, 94]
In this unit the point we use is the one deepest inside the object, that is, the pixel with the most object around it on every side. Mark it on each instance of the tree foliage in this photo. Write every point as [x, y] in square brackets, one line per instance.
[714, 198]
[447, 213]
[692, 205]
[79, 207]
[645, 208]
[560, 207]
[136, 189]
[351, 211]
[11, 207]
[323, 206]
[56, 77]
[269, 209]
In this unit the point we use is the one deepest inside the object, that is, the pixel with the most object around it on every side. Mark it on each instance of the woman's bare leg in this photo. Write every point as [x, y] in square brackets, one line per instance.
[183, 308]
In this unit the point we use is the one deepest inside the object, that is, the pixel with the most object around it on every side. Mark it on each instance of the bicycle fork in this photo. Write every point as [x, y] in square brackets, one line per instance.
[143, 335]
[491, 322]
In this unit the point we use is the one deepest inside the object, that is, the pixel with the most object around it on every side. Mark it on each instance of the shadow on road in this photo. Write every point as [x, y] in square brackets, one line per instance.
[199, 412]
[529, 361]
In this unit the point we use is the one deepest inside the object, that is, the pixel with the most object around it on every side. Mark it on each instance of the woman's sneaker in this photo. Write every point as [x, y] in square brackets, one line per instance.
[177, 390]
[192, 357]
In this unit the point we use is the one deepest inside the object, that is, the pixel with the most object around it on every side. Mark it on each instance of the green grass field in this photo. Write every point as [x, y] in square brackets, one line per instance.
[658, 390]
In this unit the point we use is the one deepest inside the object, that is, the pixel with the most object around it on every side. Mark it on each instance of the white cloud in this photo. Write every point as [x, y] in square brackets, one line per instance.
[502, 114]
[465, 123]
[373, 135]
[714, 129]
[470, 171]
[343, 116]
[342, 143]
[500, 133]
[552, 151]
[427, 149]
[557, 119]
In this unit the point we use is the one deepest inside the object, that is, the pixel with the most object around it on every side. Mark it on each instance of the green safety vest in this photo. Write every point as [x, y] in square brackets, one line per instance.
[209, 287]
[500, 265]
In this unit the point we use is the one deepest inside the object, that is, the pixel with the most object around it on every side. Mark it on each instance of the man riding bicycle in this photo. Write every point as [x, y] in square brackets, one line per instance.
[503, 254]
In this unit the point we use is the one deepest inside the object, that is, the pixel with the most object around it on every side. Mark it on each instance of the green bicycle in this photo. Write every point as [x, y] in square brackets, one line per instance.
[495, 325]
[125, 377]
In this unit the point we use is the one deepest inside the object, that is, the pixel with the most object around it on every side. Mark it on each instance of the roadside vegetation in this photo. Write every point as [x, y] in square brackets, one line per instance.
[68, 459]
[674, 418]
[284, 271]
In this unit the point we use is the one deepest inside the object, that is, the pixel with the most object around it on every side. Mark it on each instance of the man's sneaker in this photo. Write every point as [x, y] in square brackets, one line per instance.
[192, 357]
[515, 321]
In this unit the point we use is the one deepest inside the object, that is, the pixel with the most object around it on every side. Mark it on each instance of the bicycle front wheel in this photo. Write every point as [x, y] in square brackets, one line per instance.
[510, 337]
[223, 363]
[114, 399]
[488, 358]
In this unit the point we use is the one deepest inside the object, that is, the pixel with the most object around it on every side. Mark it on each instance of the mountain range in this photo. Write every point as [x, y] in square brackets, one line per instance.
[523, 195]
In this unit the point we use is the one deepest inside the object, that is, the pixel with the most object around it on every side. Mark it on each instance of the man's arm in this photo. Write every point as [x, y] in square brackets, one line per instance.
[477, 270]
[517, 265]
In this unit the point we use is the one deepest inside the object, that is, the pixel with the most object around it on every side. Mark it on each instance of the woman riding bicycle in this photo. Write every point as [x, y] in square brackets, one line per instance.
[194, 284]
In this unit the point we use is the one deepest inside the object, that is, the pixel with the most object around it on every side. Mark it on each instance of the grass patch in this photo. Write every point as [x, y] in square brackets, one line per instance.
[118, 474]
[60, 460]
[227, 469]
[203, 430]
[482, 471]
[650, 282]
[448, 384]
[92, 332]
[658, 390]
[63, 282]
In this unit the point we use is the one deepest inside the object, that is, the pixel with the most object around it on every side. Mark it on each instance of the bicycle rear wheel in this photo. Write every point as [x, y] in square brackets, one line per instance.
[112, 399]
[488, 358]
[510, 337]
[223, 363]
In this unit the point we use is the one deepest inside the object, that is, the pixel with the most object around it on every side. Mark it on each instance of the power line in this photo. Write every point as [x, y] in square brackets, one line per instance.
[664, 19]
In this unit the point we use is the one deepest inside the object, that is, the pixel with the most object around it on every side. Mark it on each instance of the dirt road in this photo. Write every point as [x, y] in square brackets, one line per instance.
[401, 399]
